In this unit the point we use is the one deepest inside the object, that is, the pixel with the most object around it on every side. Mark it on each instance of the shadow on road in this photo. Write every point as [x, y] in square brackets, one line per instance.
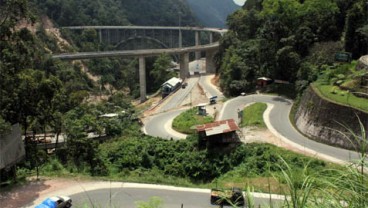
[281, 99]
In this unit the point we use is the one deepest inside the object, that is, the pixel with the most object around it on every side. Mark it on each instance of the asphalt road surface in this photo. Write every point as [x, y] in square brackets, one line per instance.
[175, 100]
[210, 90]
[279, 121]
[127, 197]
[158, 125]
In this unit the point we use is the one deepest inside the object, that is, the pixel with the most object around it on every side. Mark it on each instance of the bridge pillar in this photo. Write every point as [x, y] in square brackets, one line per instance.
[197, 43]
[210, 62]
[142, 78]
[100, 35]
[184, 65]
[180, 39]
[211, 37]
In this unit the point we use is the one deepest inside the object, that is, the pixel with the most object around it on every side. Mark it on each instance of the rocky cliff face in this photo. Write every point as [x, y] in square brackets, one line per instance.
[322, 120]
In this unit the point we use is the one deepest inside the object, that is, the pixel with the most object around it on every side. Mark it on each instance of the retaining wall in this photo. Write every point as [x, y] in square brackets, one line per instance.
[321, 120]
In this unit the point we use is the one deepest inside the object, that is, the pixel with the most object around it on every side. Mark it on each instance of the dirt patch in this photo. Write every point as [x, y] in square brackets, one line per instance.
[261, 135]
[21, 195]
[215, 80]
[196, 96]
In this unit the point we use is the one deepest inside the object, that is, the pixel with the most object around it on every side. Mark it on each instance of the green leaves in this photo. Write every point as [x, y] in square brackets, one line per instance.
[283, 35]
[160, 71]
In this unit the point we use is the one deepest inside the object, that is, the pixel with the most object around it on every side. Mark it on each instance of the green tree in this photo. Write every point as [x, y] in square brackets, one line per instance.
[159, 72]
[321, 17]
[244, 23]
[355, 40]
[4, 126]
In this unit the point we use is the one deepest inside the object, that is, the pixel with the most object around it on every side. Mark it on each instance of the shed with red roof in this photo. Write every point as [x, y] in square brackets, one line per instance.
[218, 133]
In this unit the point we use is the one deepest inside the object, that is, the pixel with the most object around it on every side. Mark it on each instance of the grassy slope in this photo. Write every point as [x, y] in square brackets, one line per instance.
[343, 97]
[185, 122]
[253, 115]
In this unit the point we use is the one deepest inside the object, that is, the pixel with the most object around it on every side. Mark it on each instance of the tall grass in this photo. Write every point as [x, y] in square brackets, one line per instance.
[187, 120]
[253, 115]
[345, 187]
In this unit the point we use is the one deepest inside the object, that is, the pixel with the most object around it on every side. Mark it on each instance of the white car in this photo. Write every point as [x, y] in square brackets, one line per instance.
[56, 202]
[62, 201]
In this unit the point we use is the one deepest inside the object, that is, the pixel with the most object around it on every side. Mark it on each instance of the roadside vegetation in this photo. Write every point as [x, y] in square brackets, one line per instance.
[260, 167]
[343, 84]
[253, 115]
[289, 40]
[152, 160]
[186, 121]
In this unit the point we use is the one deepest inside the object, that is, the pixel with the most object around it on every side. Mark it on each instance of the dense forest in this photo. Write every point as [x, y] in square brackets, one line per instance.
[116, 12]
[289, 40]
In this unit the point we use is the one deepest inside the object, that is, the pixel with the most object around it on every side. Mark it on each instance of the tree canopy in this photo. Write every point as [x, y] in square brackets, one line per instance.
[277, 39]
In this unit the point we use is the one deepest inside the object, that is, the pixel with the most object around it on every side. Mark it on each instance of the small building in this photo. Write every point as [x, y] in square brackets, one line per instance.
[12, 151]
[202, 109]
[263, 81]
[217, 134]
[170, 86]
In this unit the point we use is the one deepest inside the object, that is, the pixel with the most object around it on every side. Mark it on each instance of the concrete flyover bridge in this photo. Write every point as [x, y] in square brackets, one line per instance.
[168, 39]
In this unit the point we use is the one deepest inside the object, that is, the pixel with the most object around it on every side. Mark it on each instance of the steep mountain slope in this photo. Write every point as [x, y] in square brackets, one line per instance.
[116, 12]
[158, 12]
[212, 13]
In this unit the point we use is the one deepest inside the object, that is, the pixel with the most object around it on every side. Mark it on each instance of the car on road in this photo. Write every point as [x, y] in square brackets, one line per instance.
[56, 202]
[184, 85]
[213, 100]
[232, 197]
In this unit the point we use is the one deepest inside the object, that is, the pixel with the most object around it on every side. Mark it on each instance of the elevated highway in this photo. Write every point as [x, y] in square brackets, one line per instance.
[114, 31]
[134, 53]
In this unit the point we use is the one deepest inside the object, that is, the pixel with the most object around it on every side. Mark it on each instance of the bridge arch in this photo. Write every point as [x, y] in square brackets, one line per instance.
[125, 42]
[210, 48]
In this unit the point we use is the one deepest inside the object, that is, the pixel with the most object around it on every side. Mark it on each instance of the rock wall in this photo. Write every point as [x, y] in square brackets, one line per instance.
[362, 63]
[322, 120]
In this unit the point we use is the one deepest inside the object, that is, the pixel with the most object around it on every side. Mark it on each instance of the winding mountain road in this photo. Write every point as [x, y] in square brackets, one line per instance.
[277, 120]
[119, 194]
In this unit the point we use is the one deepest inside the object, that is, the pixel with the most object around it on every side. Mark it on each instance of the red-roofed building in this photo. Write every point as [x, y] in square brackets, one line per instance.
[218, 133]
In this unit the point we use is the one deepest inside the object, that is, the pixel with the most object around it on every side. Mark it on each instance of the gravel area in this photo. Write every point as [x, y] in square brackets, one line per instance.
[21, 195]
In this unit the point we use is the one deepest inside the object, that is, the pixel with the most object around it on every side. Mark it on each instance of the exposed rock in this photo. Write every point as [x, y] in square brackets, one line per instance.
[328, 122]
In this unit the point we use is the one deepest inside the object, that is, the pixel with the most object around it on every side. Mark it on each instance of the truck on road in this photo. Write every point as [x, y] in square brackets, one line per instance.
[232, 197]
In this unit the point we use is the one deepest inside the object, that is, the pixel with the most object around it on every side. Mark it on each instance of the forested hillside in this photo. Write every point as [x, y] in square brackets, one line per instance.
[116, 12]
[26, 63]
[48, 95]
[212, 13]
[289, 40]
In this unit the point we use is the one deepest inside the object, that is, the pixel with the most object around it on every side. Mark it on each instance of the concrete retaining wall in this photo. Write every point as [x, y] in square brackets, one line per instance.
[320, 120]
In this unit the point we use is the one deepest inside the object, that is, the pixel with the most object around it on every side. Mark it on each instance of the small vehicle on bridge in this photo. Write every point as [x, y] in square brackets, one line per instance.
[233, 197]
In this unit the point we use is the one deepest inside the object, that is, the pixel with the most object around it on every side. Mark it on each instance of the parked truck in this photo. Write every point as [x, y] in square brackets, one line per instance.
[233, 196]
